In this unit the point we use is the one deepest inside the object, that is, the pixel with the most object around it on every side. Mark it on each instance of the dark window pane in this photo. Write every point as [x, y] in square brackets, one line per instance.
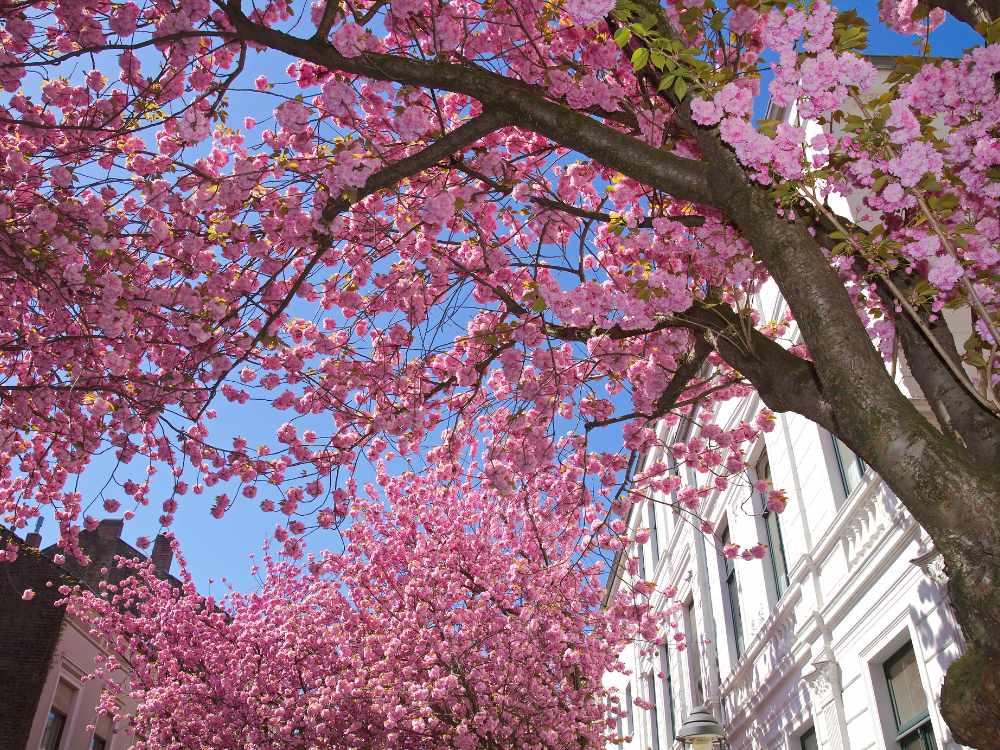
[654, 537]
[909, 703]
[654, 726]
[852, 468]
[732, 590]
[694, 654]
[927, 733]
[808, 740]
[776, 551]
[98, 743]
[763, 467]
[772, 530]
[54, 726]
[668, 688]
[629, 718]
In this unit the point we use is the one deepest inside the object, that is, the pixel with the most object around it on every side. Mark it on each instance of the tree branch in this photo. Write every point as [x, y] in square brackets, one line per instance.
[461, 137]
[526, 106]
[557, 205]
[978, 427]
[972, 12]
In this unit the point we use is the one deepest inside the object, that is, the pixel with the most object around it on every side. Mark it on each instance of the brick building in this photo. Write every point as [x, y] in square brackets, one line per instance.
[45, 653]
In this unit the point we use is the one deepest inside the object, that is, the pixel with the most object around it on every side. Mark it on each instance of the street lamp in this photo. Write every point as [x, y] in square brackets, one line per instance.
[701, 731]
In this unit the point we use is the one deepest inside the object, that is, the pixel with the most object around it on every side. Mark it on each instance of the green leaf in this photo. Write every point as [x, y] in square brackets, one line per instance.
[975, 359]
[768, 127]
[680, 88]
[944, 203]
[639, 58]
[991, 32]
[623, 36]
[666, 82]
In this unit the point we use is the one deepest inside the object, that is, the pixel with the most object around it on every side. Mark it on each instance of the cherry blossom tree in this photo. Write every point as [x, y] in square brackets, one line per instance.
[479, 233]
[453, 620]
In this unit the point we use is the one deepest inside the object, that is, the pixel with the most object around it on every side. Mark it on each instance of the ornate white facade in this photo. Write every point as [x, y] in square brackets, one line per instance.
[812, 650]
[802, 661]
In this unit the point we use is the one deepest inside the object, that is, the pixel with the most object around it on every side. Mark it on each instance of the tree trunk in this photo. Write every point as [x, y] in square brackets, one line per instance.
[847, 390]
[954, 497]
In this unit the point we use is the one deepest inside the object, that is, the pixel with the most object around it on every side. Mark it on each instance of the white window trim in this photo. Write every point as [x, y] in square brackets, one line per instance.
[873, 657]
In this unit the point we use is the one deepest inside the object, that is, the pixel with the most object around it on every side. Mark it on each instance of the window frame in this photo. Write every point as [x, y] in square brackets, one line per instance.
[918, 727]
[668, 689]
[63, 720]
[654, 725]
[781, 578]
[693, 648]
[731, 585]
[654, 539]
[839, 447]
[629, 716]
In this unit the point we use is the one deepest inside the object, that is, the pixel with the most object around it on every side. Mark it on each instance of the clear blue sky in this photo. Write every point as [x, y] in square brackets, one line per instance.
[221, 548]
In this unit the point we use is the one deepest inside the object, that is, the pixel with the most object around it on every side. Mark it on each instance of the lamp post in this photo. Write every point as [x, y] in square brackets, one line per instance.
[701, 731]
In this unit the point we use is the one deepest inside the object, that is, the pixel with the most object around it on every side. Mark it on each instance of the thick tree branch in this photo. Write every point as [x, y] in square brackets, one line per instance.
[971, 12]
[459, 138]
[557, 205]
[526, 107]
[978, 427]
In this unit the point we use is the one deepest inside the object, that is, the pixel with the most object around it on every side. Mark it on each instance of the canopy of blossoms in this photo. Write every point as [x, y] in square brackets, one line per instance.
[472, 233]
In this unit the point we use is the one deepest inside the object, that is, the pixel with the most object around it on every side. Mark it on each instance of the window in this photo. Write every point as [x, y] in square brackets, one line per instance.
[641, 553]
[654, 539]
[674, 472]
[733, 596]
[808, 740]
[772, 530]
[102, 731]
[909, 702]
[629, 717]
[852, 469]
[668, 688]
[55, 724]
[694, 654]
[654, 724]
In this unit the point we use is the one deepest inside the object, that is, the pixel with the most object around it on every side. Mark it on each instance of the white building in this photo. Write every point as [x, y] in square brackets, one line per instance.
[838, 639]
[835, 640]
[47, 652]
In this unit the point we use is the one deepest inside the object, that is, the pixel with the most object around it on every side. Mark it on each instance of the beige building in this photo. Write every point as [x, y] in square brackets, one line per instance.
[45, 653]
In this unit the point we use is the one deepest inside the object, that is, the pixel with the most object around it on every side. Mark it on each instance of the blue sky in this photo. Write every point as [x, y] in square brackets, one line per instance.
[218, 549]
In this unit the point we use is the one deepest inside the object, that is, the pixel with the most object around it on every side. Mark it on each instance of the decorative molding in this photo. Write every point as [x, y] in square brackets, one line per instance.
[931, 563]
[824, 679]
[825, 689]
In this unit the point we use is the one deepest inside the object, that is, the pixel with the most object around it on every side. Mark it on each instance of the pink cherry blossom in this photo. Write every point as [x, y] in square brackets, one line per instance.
[586, 12]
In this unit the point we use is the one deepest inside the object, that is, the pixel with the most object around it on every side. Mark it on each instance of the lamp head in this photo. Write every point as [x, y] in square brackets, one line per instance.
[700, 730]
